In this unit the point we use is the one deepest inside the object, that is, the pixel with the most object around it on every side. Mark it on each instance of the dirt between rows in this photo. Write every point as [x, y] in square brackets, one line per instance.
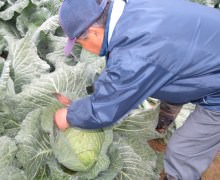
[212, 173]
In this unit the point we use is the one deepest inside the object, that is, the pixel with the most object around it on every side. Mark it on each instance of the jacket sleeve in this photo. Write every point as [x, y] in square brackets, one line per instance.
[125, 82]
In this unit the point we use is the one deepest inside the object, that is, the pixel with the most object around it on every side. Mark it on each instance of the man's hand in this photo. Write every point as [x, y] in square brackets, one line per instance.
[60, 115]
[60, 119]
[62, 99]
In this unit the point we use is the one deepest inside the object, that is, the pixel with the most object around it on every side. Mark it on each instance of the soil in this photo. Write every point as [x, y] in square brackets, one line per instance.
[212, 173]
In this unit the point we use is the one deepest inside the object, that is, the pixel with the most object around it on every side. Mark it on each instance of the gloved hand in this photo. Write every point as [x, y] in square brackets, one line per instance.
[168, 114]
[60, 115]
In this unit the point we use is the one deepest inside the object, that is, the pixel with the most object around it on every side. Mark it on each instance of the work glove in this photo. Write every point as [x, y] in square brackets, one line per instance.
[61, 114]
[167, 115]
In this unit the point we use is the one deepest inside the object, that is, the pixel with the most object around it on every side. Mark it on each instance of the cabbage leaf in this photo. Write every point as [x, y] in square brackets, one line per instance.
[8, 169]
[10, 7]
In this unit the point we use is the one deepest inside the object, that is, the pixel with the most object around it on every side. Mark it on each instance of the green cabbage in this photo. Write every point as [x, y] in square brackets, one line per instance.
[77, 149]
[34, 69]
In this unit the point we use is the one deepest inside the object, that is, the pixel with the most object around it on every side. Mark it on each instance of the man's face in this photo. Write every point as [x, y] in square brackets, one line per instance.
[92, 39]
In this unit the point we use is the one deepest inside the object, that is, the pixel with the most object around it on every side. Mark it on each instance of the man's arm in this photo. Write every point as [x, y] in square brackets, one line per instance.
[121, 87]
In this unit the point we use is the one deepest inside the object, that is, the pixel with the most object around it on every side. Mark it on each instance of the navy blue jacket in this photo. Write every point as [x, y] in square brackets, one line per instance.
[168, 50]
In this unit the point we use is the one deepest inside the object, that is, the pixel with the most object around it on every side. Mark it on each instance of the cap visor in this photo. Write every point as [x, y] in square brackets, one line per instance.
[69, 46]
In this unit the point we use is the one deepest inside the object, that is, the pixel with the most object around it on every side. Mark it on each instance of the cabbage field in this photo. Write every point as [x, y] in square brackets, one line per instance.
[32, 68]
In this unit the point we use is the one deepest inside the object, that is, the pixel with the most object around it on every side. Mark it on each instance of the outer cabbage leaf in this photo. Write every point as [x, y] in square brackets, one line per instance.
[2, 3]
[8, 34]
[200, 1]
[26, 63]
[11, 7]
[9, 125]
[135, 130]
[31, 18]
[116, 164]
[58, 172]
[34, 147]
[134, 166]
[49, 26]
[71, 82]
[40, 2]
[43, 39]
[151, 158]
[8, 151]
[5, 75]
[140, 123]
[3, 45]
[12, 173]
[36, 14]
[52, 5]
[35, 153]
[210, 3]
[2, 61]
[43, 42]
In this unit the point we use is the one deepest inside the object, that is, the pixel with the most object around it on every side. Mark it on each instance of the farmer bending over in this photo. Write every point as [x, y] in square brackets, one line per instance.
[169, 50]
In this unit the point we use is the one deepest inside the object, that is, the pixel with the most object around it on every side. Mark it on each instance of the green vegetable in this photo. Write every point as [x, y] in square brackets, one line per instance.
[78, 150]
[8, 169]
[32, 68]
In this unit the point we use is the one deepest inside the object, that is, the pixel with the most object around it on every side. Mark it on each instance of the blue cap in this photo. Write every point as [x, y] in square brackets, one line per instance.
[77, 16]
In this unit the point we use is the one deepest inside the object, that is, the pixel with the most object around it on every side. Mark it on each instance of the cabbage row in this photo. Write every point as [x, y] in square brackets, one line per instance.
[32, 69]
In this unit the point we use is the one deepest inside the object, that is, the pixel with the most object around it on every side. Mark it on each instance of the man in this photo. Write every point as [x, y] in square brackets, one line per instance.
[168, 50]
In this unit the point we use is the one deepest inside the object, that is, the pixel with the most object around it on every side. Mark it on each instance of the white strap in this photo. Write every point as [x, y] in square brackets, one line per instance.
[117, 11]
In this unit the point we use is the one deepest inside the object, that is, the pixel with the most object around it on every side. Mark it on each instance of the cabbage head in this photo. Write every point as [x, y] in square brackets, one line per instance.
[77, 149]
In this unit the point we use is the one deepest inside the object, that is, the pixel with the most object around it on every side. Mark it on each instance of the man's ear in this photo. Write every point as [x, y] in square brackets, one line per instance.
[97, 31]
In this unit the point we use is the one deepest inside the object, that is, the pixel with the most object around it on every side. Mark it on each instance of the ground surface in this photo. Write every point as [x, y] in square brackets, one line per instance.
[212, 173]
